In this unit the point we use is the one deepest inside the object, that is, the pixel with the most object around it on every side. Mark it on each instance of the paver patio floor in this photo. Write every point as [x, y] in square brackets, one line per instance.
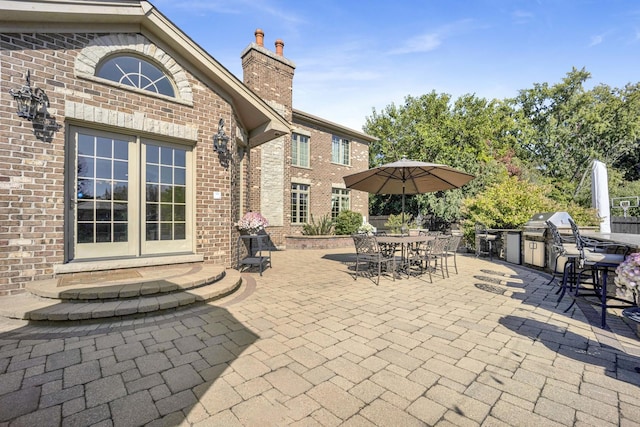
[306, 345]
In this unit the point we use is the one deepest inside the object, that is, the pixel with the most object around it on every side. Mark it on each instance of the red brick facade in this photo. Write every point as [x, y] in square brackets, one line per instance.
[32, 187]
[270, 75]
[38, 193]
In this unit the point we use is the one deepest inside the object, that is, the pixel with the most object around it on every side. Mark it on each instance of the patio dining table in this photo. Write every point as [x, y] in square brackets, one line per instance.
[406, 244]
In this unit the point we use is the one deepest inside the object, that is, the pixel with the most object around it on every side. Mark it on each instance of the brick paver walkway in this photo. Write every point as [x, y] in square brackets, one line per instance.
[307, 345]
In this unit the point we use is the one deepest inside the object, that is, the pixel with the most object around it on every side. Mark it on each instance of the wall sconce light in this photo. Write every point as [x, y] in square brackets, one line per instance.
[220, 140]
[30, 102]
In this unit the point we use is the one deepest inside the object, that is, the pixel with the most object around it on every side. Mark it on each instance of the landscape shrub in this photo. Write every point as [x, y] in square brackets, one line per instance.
[324, 227]
[348, 222]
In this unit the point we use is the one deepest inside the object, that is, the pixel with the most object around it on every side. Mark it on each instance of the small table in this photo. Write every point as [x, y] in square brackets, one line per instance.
[259, 251]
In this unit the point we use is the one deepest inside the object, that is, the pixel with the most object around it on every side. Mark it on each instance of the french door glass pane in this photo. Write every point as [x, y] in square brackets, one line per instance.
[130, 196]
[165, 195]
[102, 180]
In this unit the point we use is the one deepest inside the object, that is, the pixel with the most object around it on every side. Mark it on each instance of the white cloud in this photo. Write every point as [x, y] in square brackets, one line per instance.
[522, 16]
[421, 43]
[596, 40]
[432, 40]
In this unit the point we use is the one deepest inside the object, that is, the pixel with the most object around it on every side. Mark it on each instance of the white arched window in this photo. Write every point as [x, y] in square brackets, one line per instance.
[136, 72]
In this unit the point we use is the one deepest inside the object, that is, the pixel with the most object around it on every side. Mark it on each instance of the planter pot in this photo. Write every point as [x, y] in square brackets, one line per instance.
[633, 314]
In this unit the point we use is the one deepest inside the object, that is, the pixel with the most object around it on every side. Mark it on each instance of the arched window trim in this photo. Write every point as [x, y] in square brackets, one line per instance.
[129, 44]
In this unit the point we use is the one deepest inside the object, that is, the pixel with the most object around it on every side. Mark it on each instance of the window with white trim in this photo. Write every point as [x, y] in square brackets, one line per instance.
[136, 72]
[340, 151]
[299, 150]
[340, 201]
[299, 203]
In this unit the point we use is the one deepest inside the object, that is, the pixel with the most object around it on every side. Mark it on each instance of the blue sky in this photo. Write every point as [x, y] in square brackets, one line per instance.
[355, 55]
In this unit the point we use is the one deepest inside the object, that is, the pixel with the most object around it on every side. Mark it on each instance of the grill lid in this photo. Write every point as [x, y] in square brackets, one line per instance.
[559, 219]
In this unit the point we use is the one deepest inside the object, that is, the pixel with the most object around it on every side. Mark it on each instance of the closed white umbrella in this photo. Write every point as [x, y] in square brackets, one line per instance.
[600, 194]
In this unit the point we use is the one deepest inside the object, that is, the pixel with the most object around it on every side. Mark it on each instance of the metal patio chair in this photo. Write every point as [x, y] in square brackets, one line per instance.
[369, 252]
[430, 254]
[600, 257]
[451, 250]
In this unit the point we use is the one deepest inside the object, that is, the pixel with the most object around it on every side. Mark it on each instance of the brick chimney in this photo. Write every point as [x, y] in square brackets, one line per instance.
[269, 74]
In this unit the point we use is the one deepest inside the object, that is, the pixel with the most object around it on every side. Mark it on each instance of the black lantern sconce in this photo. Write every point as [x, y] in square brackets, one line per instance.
[220, 140]
[30, 102]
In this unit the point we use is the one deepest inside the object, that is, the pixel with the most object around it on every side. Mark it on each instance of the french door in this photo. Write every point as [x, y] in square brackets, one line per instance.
[129, 196]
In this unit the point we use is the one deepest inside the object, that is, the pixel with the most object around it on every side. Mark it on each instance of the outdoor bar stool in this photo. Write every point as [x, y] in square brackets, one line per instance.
[563, 247]
[594, 256]
[484, 240]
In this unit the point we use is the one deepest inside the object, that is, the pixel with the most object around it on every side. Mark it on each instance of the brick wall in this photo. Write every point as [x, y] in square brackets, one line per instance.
[271, 77]
[326, 175]
[32, 188]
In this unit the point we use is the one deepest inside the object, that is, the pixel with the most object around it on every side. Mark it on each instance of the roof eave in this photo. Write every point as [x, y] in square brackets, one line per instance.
[317, 121]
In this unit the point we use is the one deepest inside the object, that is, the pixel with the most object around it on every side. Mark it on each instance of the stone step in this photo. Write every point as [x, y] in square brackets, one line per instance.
[28, 306]
[126, 284]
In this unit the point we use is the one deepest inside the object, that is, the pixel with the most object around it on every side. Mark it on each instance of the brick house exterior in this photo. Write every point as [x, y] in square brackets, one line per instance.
[270, 75]
[122, 174]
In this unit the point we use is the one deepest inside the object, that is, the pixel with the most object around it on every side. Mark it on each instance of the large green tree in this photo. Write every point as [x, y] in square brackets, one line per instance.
[547, 135]
[470, 133]
[563, 127]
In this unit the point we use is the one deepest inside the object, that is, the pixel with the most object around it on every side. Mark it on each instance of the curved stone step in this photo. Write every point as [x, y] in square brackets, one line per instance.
[32, 307]
[149, 281]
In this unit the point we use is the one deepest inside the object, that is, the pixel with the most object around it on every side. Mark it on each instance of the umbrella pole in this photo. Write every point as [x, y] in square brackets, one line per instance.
[402, 228]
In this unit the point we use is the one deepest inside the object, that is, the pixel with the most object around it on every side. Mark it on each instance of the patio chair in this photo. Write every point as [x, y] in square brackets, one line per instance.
[484, 240]
[430, 254]
[369, 252]
[563, 247]
[600, 257]
[451, 250]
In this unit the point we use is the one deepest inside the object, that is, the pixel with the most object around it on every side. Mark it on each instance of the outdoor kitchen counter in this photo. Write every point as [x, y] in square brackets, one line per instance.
[631, 240]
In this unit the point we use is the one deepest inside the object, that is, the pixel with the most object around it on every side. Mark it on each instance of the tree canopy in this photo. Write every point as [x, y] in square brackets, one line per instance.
[547, 135]
[564, 126]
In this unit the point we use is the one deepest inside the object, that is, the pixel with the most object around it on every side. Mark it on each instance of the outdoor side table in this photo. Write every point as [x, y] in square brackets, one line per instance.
[258, 251]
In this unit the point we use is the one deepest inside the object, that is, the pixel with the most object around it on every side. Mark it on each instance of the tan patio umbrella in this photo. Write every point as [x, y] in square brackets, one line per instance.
[407, 177]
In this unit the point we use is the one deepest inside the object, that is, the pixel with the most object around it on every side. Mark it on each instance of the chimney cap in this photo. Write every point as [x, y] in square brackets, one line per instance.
[279, 47]
[259, 37]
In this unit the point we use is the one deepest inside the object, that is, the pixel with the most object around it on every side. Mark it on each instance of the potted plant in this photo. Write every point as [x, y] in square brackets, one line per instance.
[252, 223]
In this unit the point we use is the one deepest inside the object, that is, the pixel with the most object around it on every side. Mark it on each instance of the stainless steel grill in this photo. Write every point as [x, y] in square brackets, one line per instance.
[534, 234]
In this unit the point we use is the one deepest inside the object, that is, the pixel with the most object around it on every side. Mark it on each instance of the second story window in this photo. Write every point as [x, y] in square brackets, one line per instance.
[136, 72]
[340, 151]
[299, 150]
